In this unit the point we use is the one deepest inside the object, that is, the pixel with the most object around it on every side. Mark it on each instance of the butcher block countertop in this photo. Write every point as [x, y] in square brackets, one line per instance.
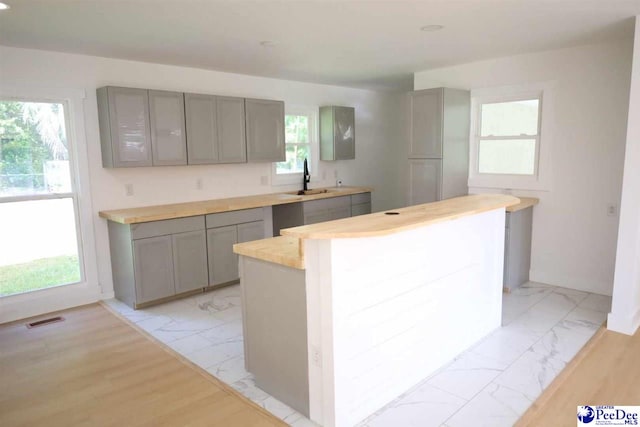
[181, 210]
[383, 223]
[283, 250]
[525, 202]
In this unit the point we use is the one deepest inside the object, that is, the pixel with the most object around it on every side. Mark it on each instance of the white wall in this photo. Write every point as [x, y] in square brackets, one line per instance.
[574, 241]
[381, 133]
[625, 310]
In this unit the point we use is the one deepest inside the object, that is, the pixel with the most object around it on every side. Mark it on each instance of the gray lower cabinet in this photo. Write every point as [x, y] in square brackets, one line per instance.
[190, 260]
[125, 134]
[265, 130]
[223, 231]
[321, 210]
[153, 260]
[517, 248]
[159, 259]
[223, 263]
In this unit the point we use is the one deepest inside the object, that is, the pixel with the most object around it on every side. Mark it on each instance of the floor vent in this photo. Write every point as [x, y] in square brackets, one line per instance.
[45, 322]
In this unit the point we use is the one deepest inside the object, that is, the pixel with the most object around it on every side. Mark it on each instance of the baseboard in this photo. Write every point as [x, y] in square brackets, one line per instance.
[584, 284]
[623, 324]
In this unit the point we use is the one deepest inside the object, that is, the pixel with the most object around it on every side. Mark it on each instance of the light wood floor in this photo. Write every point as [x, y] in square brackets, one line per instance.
[605, 372]
[95, 370]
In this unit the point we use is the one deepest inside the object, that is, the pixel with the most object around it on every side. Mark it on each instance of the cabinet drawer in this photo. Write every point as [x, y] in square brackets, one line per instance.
[361, 209]
[357, 199]
[167, 226]
[234, 217]
[323, 204]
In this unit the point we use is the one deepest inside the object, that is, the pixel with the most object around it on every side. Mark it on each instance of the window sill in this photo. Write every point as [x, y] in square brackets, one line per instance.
[509, 182]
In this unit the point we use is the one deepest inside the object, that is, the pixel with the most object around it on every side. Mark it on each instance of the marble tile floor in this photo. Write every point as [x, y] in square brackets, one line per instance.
[492, 383]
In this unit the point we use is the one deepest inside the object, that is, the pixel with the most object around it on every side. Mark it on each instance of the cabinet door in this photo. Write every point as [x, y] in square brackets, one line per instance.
[265, 130]
[424, 181]
[339, 213]
[426, 124]
[202, 135]
[167, 128]
[344, 133]
[316, 217]
[232, 146]
[223, 263]
[361, 209]
[250, 231]
[153, 266]
[129, 121]
[190, 260]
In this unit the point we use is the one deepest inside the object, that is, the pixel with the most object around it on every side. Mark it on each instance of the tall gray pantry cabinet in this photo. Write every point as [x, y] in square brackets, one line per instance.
[439, 147]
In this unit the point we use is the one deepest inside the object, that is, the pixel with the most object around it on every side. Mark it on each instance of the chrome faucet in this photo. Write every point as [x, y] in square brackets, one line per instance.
[305, 177]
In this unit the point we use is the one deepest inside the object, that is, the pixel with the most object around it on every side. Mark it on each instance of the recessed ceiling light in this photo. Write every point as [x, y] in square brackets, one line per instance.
[431, 28]
[4, 6]
[267, 43]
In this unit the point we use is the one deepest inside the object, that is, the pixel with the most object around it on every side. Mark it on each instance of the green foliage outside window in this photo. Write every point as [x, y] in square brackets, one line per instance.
[30, 134]
[297, 144]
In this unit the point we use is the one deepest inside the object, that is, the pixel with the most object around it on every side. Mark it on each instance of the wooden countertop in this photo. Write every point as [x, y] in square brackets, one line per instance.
[525, 202]
[181, 210]
[283, 250]
[379, 224]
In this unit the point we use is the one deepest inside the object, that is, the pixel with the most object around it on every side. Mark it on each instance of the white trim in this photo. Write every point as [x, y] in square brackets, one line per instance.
[541, 180]
[88, 290]
[622, 324]
[296, 178]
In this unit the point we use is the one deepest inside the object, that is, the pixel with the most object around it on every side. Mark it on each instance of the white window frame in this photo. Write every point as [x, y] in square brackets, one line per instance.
[296, 178]
[541, 179]
[88, 290]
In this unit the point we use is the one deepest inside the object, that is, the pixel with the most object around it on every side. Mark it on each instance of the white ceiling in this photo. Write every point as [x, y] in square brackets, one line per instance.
[371, 44]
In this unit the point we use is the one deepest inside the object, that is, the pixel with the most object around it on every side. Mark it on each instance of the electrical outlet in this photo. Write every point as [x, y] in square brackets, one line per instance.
[199, 184]
[264, 180]
[612, 209]
[316, 356]
[128, 189]
[335, 173]
[324, 175]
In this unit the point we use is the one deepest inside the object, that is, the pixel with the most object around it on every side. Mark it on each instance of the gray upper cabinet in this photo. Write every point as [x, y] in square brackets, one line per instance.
[426, 124]
[439, 152]
[215, 129]
[125, 134]
[232, 146]
[337, 133]
[140, 127]
[166, 110]
[202, 135]
[265, 130]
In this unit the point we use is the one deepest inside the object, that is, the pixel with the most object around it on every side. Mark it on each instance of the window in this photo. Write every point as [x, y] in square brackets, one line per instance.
[508, 127]
[300, 142]
[38, 204]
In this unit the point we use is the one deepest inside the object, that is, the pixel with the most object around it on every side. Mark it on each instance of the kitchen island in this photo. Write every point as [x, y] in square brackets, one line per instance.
[342, 317]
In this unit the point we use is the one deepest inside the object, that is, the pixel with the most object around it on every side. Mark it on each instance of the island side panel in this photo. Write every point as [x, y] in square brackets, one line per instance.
[393, 309]
[121, 249]
[275, 330]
